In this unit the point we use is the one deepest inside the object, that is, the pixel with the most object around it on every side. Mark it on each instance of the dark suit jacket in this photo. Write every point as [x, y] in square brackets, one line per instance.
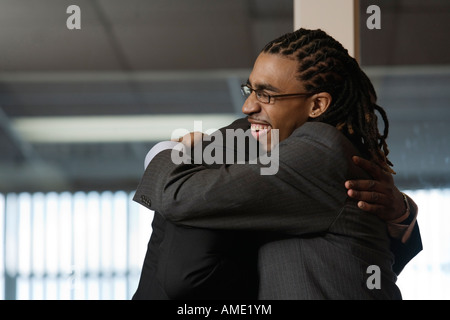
[322, 243]
[193, 263]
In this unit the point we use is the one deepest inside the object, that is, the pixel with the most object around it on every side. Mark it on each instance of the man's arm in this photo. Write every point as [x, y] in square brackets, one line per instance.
[381, 197]
[304, 196]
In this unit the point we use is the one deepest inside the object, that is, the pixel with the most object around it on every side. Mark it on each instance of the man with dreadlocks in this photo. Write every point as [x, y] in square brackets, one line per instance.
[325, 66]
[317, 243]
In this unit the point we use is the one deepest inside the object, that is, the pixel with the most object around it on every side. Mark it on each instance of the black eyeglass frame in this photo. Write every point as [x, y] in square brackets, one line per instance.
[269, 96]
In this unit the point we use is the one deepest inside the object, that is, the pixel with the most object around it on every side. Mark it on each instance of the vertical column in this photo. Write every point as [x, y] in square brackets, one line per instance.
[339, 18]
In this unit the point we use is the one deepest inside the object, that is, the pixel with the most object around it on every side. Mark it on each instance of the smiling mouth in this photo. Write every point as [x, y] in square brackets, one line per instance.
[258, 130]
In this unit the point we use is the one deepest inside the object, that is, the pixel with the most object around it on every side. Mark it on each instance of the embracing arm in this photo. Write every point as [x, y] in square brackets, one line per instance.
[304, 196]
[232, 197]
[381, 197]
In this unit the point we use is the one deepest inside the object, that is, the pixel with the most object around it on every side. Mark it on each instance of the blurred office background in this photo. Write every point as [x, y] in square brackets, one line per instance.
[79, 109]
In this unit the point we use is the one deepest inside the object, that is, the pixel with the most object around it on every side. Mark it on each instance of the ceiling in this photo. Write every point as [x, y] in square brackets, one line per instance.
[79, 109]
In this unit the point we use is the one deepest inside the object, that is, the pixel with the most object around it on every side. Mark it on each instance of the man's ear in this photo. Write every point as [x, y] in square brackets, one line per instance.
[319, 104]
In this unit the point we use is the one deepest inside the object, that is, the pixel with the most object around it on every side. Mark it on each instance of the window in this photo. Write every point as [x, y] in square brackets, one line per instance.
[72, 246]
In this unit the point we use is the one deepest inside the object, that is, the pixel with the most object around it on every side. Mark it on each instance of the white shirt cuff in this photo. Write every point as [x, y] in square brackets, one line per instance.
[157, 148]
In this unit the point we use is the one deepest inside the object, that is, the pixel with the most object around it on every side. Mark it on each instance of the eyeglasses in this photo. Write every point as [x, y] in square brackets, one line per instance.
[264, 97]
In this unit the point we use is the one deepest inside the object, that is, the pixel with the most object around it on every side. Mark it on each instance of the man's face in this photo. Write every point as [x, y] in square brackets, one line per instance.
[275, 74]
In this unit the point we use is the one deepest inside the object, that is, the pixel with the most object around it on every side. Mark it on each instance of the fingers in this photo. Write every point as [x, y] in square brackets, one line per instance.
[370, 197]
[372, 208]
[369, 191]
[364, 185]
[372, 202]
[370, 167]
[378, 196]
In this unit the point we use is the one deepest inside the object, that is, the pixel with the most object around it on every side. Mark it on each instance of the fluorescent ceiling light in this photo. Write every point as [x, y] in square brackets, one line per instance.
[135, 128]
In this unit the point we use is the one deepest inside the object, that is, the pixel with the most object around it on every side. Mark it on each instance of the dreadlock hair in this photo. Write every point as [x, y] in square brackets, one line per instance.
[324, 65]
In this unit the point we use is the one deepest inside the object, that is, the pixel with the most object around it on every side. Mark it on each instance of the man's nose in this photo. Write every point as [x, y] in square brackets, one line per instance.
[251, 105]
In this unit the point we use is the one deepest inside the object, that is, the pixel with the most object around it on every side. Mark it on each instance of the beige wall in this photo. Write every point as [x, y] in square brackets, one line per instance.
[336, 17]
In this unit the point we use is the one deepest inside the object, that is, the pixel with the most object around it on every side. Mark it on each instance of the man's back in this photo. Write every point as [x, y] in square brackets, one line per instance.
[329, 266]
